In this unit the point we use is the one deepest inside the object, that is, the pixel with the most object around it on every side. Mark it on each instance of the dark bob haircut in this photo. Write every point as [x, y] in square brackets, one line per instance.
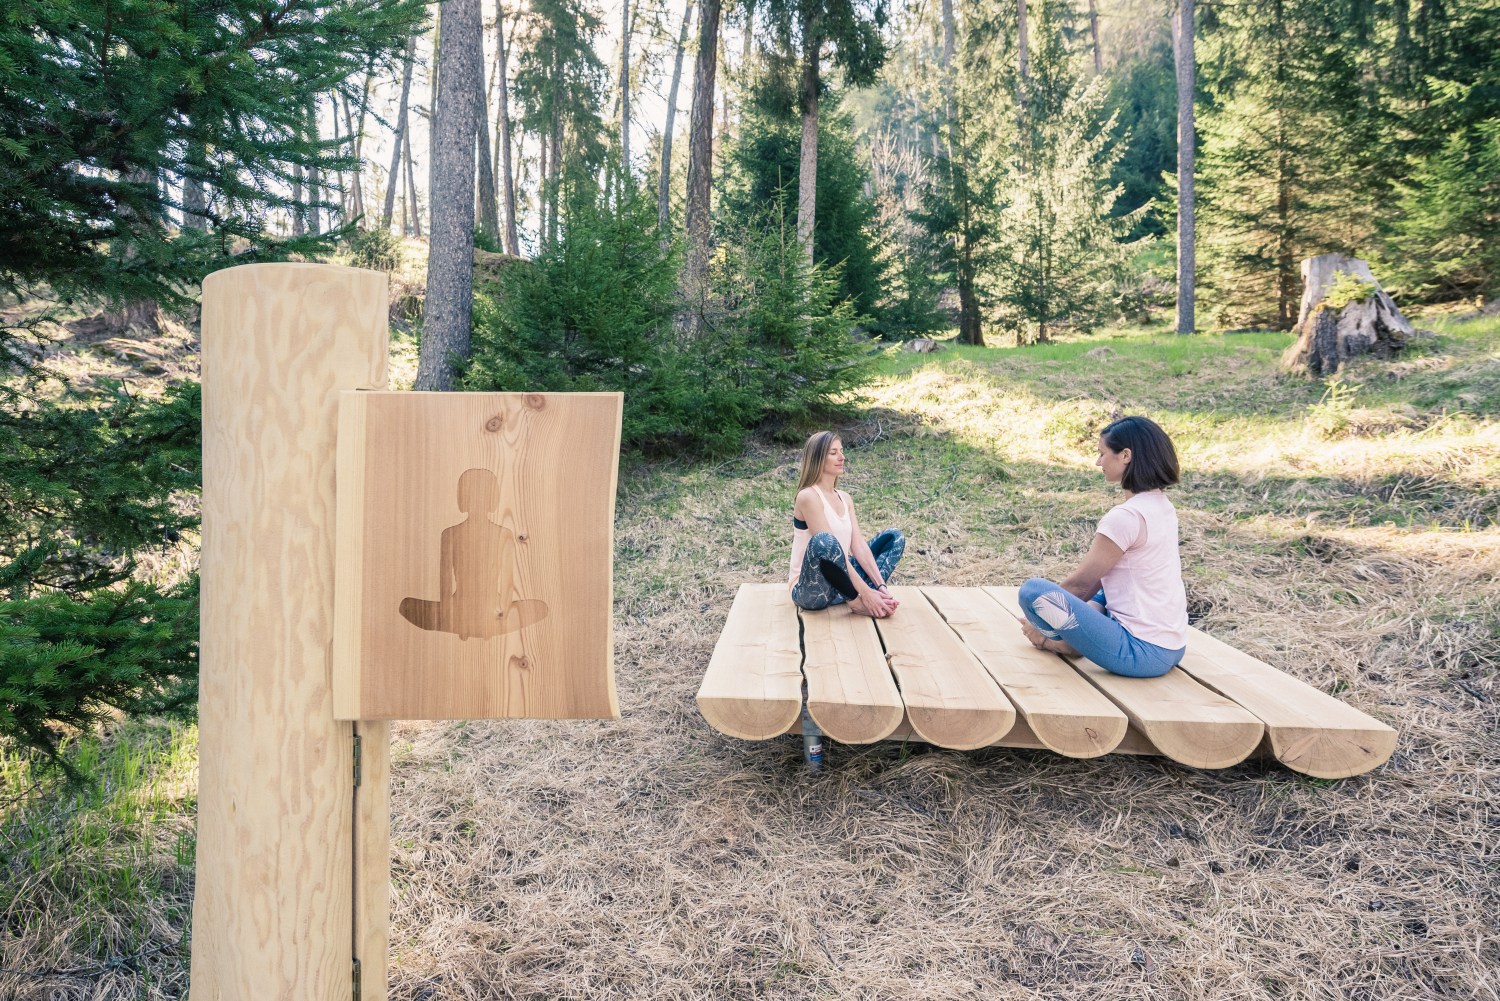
[1153, 460]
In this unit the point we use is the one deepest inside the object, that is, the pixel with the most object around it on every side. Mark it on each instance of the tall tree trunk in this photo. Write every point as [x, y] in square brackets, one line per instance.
[664, 185]
[411, 187]
[393, 178]
[486, 208]
[724, 92]
[194, 197]
[358, 142]
[314, 178]
[1094, 35]
[450, 258]
[544, 203]
[502, 138]
[1182, 37]
[807, 173]
[554, 157]
[1023, 52]
[970, 330]
[338, 141]
[700, 156]
[194, 204]
[299, 208]
[625, 91]
[554, 163]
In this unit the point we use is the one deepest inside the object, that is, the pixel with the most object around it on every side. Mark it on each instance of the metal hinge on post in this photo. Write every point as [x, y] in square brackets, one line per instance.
[357, 762]
[354, 977]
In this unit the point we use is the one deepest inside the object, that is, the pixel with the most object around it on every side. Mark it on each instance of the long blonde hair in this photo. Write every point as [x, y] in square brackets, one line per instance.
[814, 454]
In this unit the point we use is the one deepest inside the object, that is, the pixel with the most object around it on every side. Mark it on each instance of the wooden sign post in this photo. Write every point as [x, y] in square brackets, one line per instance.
[475, 553]
[471, 539]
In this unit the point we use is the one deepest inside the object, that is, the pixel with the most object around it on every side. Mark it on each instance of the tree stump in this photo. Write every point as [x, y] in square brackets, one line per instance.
[1344, 313]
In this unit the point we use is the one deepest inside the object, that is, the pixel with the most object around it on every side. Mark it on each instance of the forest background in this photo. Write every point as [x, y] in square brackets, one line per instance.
[721, 208]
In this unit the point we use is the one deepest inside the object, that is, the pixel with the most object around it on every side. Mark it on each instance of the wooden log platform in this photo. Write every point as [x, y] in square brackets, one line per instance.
[951, 668]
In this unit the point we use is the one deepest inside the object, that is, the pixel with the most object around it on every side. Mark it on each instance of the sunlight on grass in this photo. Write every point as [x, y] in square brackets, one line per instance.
[102, 872]
[1376, 457]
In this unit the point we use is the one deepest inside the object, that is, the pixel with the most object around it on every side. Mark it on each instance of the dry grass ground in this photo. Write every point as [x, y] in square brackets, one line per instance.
[1354, 543]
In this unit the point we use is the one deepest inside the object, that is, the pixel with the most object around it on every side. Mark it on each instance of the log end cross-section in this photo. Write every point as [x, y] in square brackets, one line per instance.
[753, 687]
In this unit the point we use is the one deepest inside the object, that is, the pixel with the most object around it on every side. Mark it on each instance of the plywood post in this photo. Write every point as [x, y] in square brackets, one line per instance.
[293, 860]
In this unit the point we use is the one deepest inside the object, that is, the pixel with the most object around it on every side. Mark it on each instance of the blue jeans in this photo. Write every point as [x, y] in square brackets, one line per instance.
[1097, 636]
[824, 580]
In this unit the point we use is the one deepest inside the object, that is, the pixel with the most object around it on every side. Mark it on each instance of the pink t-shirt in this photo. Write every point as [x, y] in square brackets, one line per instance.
[1144, 590]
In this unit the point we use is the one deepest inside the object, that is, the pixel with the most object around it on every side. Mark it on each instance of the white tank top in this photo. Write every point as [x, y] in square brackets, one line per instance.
[842, 529]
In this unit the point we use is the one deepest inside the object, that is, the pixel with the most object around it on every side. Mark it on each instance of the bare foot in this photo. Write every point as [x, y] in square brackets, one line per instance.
[1043, 642]
[1034, 635]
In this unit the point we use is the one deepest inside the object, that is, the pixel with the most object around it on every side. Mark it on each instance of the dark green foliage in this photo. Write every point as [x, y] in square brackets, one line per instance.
[1277, 175]
[1143, 99]
[107, 111]
[483, 241]
[1055, 248]
[377, 249]
[595, 311]
[1444, 241]
[69, 661]
[764, 164]
[783, 340]
[1358, 128]
[106, 107]
[851, 27]
[85, 492]
[559, 84]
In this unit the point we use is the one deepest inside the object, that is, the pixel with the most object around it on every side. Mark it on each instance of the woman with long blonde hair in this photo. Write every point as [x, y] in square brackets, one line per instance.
[831, 561]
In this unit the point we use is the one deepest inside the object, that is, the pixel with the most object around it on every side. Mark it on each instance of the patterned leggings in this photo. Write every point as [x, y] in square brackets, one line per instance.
[824, 581]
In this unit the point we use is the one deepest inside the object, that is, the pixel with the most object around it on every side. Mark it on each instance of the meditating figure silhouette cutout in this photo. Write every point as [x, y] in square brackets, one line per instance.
[476, 571]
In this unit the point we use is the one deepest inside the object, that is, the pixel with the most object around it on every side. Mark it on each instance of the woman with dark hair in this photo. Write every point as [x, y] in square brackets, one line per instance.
[831, 561]
[1125, 607]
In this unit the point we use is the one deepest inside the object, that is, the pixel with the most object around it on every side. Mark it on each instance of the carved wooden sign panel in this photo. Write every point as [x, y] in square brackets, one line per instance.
[475, 552]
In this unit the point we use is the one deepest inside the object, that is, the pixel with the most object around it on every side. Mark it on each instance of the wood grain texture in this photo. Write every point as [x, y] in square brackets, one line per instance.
[272, 910]
[1184, 720]
[372, 860]
[1309, 731]
[1062, 711]
[950, 699]
[850, 692]
[753, 686]
[476, 555]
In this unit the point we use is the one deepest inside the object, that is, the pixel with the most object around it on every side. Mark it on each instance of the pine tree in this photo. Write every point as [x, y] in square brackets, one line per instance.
[1055, 247]
[85, 492]
[763, 165]
[559, 85]
[208, 95]
[1283, 148]
[114, 120]
[804, 28]
[1447, 229]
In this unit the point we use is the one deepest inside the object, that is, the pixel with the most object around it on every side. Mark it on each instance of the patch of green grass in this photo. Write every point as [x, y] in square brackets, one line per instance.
[102, 871]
